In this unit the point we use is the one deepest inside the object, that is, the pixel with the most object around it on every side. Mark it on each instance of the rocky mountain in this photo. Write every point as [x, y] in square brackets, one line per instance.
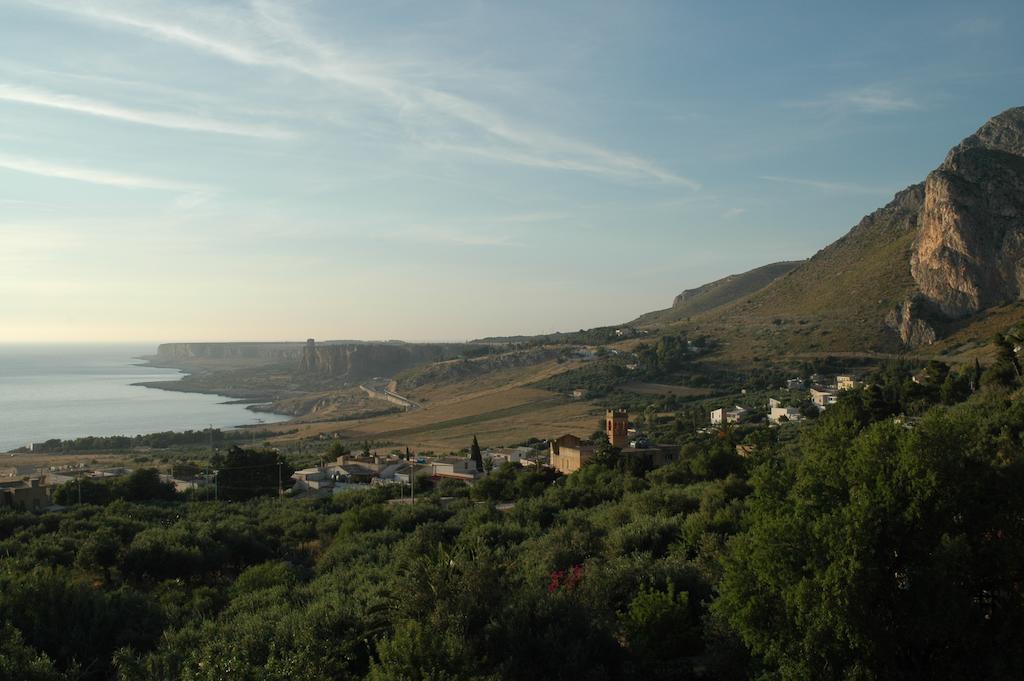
[937, 254]
[969, 251]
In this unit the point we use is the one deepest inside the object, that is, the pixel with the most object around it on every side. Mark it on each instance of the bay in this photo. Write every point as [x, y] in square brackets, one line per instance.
[68, 391]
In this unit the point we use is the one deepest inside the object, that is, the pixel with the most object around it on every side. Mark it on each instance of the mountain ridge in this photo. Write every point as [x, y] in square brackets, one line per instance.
[940, 251]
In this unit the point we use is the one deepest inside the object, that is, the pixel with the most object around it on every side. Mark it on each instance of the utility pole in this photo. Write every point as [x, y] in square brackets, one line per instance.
[79, 490]
[280, 488]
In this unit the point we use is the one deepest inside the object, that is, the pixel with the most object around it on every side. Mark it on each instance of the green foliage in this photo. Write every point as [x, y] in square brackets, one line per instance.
[863, 548]
[884, 553]
[150, 440]
[144, 485]
[19, 662]
[660, 625]
[338, 449]
[598, 377]
[248, 473]
[87, 490]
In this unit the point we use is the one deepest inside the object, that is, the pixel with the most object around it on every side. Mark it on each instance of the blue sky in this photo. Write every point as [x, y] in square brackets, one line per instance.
[274, 170]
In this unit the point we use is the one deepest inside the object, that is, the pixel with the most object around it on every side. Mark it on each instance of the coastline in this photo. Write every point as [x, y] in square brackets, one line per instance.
[72, 392]
[257, 401]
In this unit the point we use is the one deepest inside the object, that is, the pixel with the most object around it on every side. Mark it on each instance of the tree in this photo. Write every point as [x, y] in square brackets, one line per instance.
[660, 625]
[650, 417]
[338, 449]
[956, 388]
[19, 662]
[145, 485]
[87, 490]
[882, 553]
[252, 473]
[100, 551]
[475, 455]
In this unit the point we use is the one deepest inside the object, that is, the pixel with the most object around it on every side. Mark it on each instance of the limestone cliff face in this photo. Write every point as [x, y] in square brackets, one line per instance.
[270, 352]
[358, 361]
[969, 252]
[906, 320]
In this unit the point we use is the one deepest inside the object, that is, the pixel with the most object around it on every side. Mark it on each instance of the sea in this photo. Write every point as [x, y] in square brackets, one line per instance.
[68, 391]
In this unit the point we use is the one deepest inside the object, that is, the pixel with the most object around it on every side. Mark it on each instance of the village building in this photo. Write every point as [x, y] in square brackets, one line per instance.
[823, 398]
[636, 445]
[617, 427]
[500, 455]
[569, 453]
[26, 494]
[724, 415]
[454, 468]
[348, 472]
[847, 383]
[795, 384]
[777, 414]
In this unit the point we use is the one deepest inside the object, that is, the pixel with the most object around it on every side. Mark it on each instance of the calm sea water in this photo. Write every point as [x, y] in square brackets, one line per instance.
[70, 391]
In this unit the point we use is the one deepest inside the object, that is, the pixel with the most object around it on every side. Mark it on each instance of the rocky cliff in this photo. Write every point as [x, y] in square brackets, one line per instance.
[269, 352]
[358, 361]
[941, 251]
[969, 251]
[347, 360]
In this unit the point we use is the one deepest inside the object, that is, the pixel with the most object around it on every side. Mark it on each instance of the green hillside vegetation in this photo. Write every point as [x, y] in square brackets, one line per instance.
[854, 546]
[718, 293]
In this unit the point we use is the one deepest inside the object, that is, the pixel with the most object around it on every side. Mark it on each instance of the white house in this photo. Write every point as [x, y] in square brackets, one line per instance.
[454, 467]
[734, 415]
[823, 398]
[506, 454]
[790, 413]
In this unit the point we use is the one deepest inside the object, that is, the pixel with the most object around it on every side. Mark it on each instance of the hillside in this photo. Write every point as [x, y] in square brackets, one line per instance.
[839, 299]
[718, 293]
[921, 267]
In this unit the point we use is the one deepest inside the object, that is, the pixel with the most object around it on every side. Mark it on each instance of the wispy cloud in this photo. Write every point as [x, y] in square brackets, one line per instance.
[440, 120]
[95, 176]
[829, 187]
[734, 212]
[445, 235]
[38, 97]
[868, 99]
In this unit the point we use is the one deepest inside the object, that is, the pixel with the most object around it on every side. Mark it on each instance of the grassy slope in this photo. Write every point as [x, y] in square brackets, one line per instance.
[718, 293]
[835, 302]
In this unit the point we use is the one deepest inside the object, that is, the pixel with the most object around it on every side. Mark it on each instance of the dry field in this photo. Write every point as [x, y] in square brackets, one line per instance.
[498, 408]
[44, 461]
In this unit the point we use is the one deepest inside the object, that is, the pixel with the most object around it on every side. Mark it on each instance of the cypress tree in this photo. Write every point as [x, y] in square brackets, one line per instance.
[475, 455]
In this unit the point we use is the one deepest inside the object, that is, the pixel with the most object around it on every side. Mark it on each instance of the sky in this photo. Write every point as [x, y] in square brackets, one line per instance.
[256, 170]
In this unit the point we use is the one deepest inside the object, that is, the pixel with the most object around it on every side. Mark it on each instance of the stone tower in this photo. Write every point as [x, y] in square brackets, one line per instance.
[617, 427]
